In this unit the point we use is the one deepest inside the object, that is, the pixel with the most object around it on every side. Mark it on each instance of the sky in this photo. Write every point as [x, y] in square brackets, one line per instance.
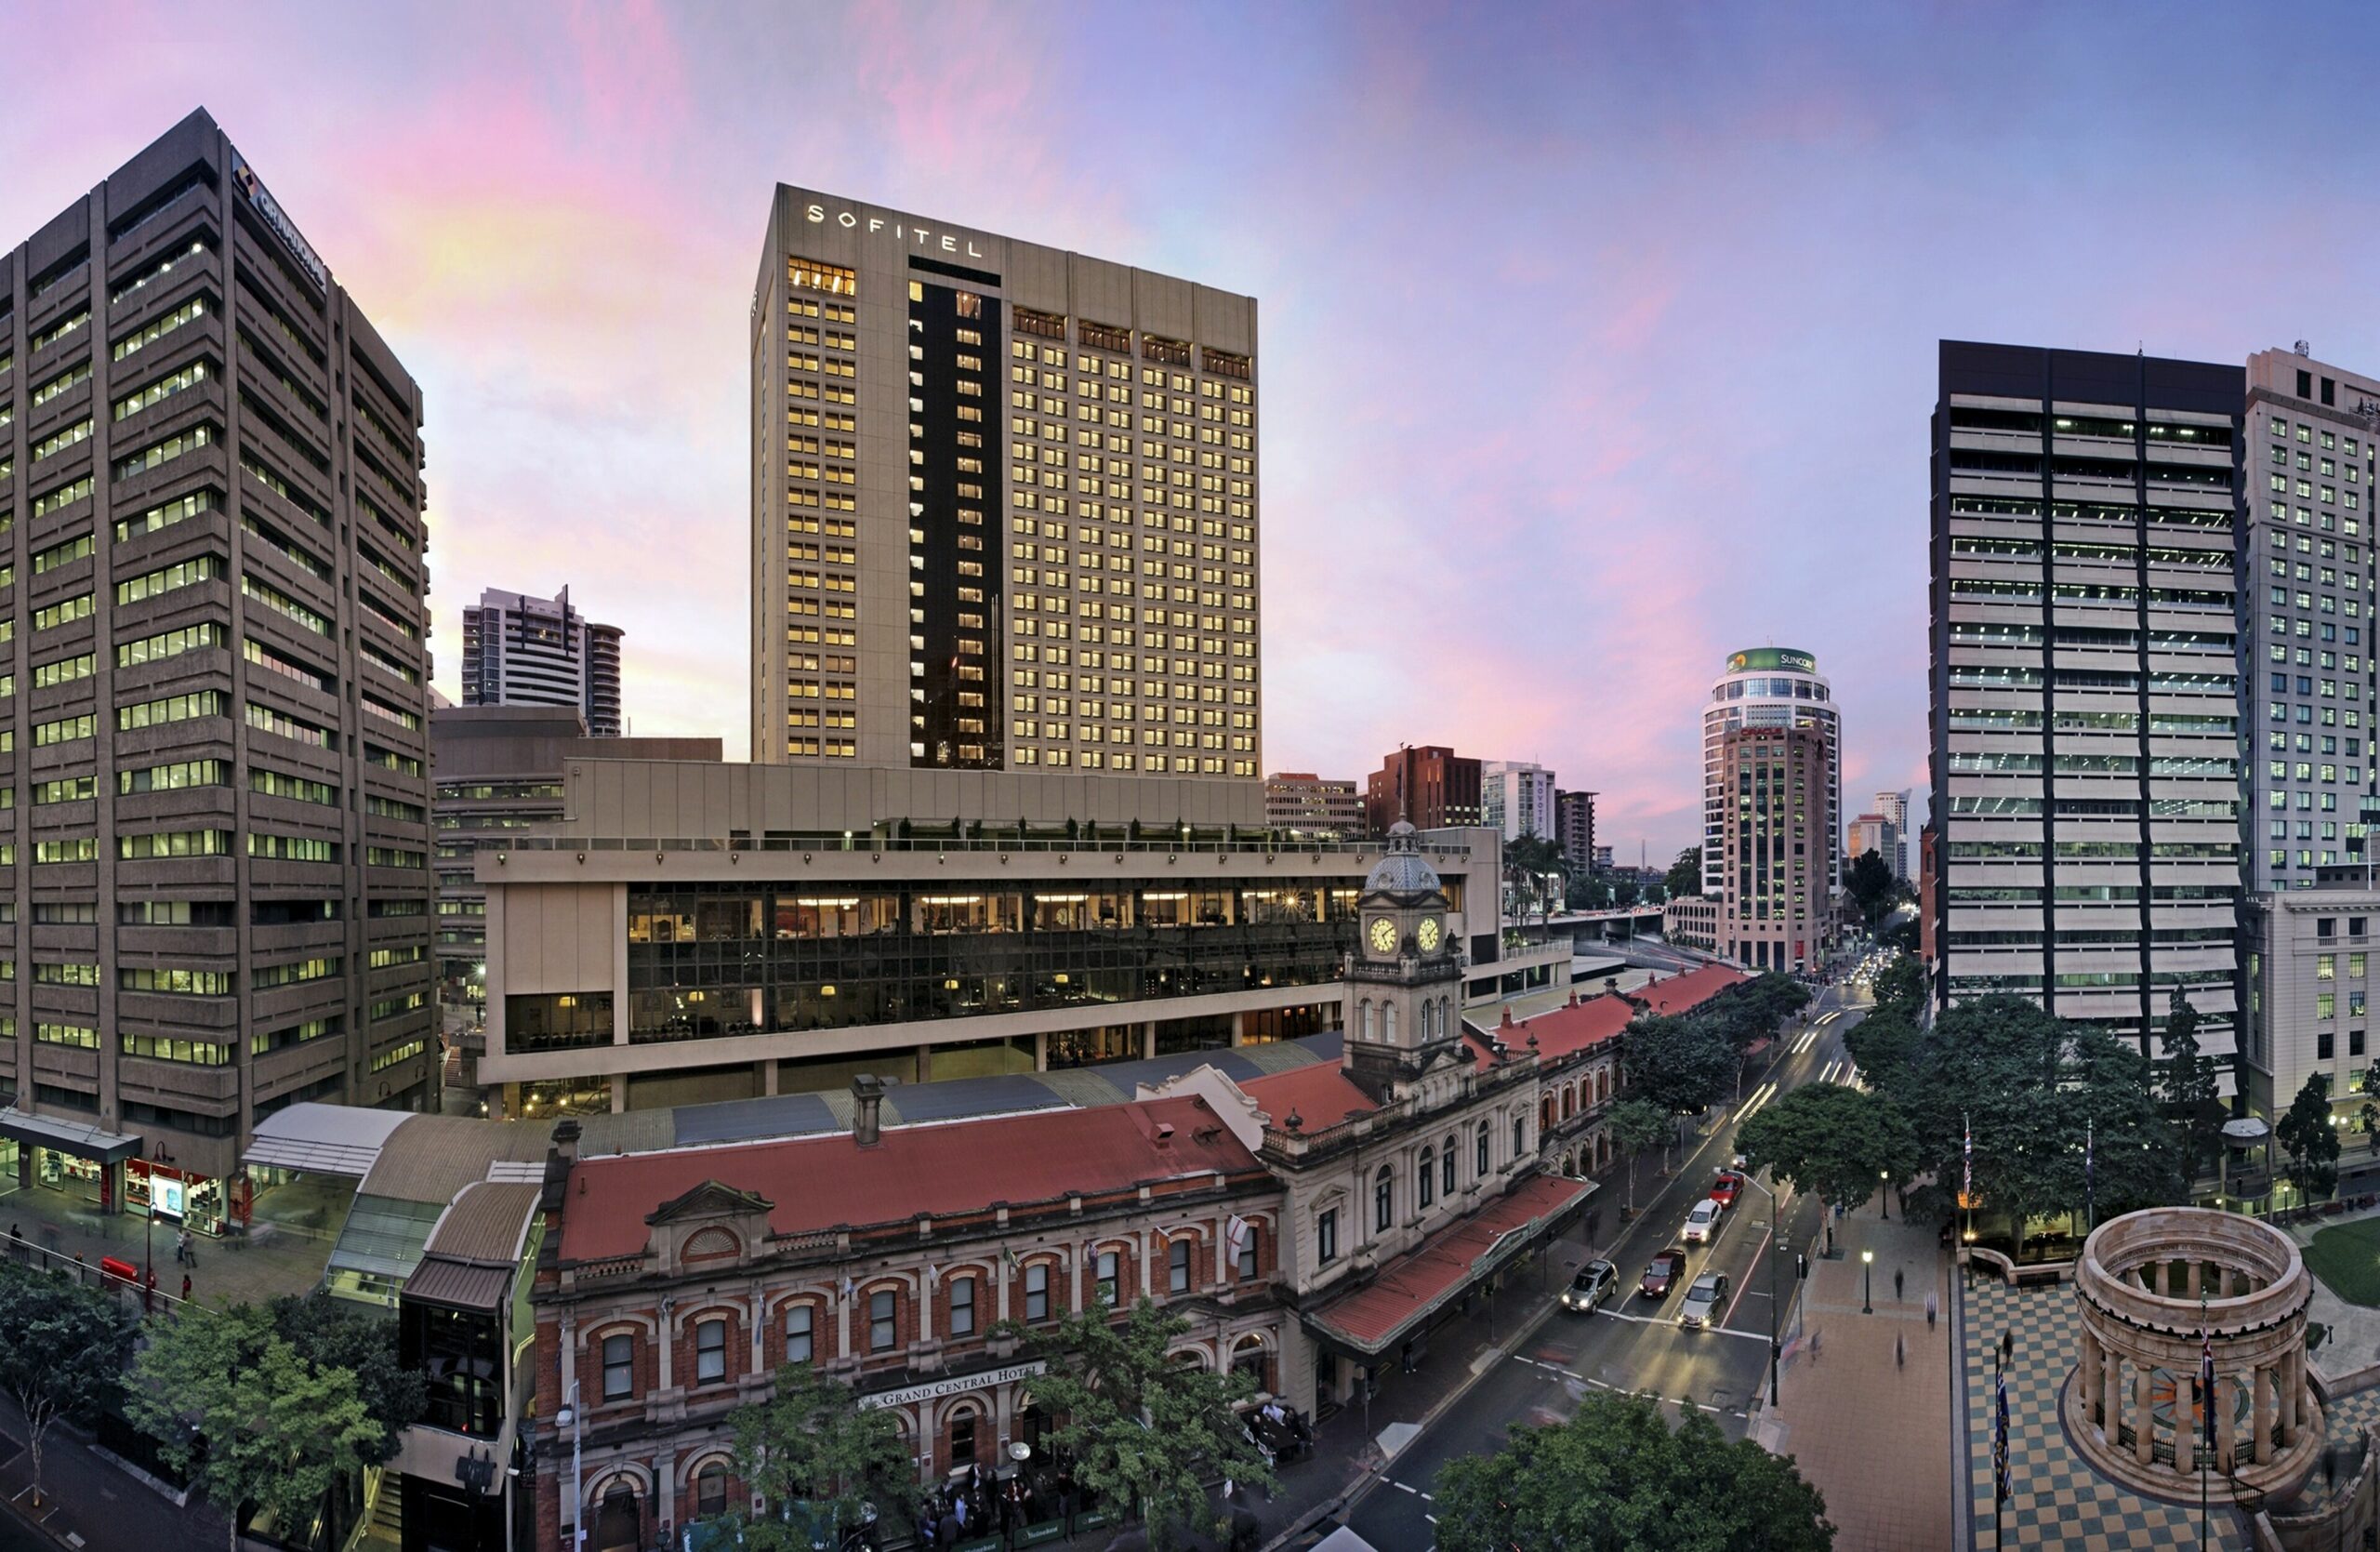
[1595, 341]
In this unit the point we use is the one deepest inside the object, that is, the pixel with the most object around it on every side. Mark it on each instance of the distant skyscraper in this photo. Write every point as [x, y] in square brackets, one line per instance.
[1771, 794]
[1303, 802]
[1516, 797]
[1874, 832]
[523, 651]
[1573, 827]
[1013, 522]
[1427, 784]
[1895, 809]
[2085, 705]
[2308, 700]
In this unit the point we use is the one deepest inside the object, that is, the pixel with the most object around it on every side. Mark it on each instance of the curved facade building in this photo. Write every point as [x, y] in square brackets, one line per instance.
[1772, 801]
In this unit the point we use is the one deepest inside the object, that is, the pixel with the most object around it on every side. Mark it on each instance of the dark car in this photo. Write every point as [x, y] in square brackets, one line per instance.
[1662, 1274]
[1595, 1284]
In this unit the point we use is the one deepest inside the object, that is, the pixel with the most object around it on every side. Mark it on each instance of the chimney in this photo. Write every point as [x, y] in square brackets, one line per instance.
[560, 1156]
[867, 1098]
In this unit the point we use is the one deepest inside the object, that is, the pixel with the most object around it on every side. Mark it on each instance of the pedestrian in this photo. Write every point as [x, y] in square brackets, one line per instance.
[185, 1288]
[1929, 1309]
[1815, 1334]
[1896, 1280]
[181, 1248]
[2007, 1344]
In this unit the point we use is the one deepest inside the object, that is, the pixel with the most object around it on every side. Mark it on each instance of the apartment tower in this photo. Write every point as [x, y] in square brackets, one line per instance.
[1771, 687]
[1516, 798]
[1776, 844]
[519, 650]
[215, 827]
[1013, 522]
[2085, 706]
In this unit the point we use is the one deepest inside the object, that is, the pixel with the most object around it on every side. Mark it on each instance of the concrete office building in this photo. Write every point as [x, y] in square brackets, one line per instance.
[1305, 803]
[1872, 832]
[523, 651]
[216, 804]
[1573, 827]
[2308, 700]
[1427, 785]
[1771, 687]
[1776, 849]
[2085, 706]
[1013, 525]
[692, 932]
[1517, 799]
[2309, 969]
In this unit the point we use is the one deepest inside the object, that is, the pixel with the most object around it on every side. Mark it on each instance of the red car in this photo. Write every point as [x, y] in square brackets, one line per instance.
[1728, 1187]
[1663, 1273]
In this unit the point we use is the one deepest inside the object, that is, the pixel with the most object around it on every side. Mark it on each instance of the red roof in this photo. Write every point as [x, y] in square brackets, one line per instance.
[1567, 1031]
[1416, 1284]
[829, 1182]
[1321, 1093]
[1681, 992]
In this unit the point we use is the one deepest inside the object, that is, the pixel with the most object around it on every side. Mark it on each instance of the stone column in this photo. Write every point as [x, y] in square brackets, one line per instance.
[2159, 1285]
[2260, 1413]
[2143, 1422]
[2190, 1286]
[2186, 1424]
[2293, 1394]
[2225, 1447]
[2087, 1369]
[925, 1305]
[2111, 1398]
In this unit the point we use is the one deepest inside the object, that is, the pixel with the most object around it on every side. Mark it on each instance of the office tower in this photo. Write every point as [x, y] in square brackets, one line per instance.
[1776, 845]
[1771, 687]
[1516, 798]
[1872, 832]
[1308, 805]
[2085, 711]
[1573, 827]
[519, 650]
[1013, 525]
[211, 475]
[1893, 806]
[2309, 603]
[1428, 784]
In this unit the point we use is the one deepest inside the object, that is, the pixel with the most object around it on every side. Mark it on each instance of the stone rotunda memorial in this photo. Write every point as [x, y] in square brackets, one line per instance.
[2155, 1290]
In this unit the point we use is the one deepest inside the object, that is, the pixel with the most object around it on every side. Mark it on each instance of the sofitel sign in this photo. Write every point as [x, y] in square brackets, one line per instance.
[933, 1390]
[852, 220]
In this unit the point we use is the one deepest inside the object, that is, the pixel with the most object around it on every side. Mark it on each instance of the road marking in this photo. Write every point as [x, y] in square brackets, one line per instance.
[1414, 1491]
[1760, 1096]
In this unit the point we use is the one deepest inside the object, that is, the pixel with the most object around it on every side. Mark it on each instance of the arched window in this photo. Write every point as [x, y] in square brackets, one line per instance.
[1481, 1163]
[1429, 1013]
[1570, 1101]
[1384, 1201]
[1388, 1022]
[710, 1489]
[1446, 1167]
[1372, 1030]
[1425, 1179]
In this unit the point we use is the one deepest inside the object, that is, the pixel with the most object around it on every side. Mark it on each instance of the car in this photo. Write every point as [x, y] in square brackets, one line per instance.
[1596, 1283]
[1661, 1275]
[1726, 1188]
[1702, 1222]
[1703, 1301]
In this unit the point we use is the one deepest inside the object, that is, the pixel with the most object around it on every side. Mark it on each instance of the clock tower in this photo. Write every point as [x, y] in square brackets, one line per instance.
[1403, 995]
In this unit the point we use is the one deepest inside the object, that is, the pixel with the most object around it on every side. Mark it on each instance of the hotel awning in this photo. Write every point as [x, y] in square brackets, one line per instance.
[68, 1137]
[1403, 1294]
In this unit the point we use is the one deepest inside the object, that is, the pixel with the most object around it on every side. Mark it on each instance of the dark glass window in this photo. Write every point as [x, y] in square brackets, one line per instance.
[1036, 1292]
[710, 1352]
[1326, 1236]
[459, 1354]
[963, 1306]
[1383, 1202]
[1178, 1266]
[799, 1326]
[619, 1368]
[882, 1329]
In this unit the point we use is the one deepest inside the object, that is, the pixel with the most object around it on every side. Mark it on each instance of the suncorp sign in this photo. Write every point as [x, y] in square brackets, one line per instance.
[1775, 658]
[930, 240]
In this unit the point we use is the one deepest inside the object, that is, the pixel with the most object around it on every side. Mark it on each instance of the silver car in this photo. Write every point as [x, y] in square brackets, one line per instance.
[1702, 1300]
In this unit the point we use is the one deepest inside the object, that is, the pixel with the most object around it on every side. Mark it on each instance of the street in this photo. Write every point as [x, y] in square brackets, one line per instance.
[1635, 1344]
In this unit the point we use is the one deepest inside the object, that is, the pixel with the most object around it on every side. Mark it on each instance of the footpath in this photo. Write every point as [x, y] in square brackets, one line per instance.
[88, 1500]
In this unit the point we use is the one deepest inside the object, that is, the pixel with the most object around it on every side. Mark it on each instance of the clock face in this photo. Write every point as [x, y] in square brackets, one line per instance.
[1384, 935]
[1428, 935]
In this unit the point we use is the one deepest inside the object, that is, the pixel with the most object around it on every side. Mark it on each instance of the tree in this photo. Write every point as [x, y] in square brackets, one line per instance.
[2189, 1091]
[1615, 1477]
[1684, 878]
[1146, 1432]
[235, 1410]
[1638, 1125]
[1676, 1063]
[2367, 1084]
[1883, 1045]
[1626, 890]
[1870, 880]
[1528, 862]
[813, 1445]
[332, 1334]
[1836, 1141]
[1901, 988]
[2311, 1142]
[62, 1350]
[1588, 891]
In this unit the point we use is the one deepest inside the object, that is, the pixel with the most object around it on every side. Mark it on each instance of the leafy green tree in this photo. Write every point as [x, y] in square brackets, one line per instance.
[1883, 1045]
[2312, 1143]
[1145, 1432]
[1589, 891]
[1679, 1064]
[1683, 881]
[1870, 880]
[2189, 1091]
[2367, 1084]
[1638, 1125]
[235, 1410]
[1615, 1477]
[62, 1350]
[1838, 1142]
[332, 1334]
[1902, 989]
[1626, 890]
[813, 1445]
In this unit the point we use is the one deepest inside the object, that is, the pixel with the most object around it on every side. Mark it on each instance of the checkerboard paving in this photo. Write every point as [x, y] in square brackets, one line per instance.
[2056, 1500]
[2345, 1419]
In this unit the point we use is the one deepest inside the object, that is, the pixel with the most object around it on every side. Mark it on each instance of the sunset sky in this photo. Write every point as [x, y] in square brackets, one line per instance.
[1596, 341]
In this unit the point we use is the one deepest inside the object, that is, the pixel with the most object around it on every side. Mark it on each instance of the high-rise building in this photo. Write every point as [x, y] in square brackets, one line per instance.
[1013, 525]
[1776, 844]
[2308, 700]
[1872, 832]
[1573, 827]
[523, 651]
[1309, 804]
[1516, 798]
[1770, 687]
[1427, 784]
[2085, 710]
[211, 491]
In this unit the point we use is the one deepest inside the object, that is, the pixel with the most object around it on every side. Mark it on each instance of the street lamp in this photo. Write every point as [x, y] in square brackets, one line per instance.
[1867, 1282]
[1775, 1249]
[566, 1416]
[1883, 1190]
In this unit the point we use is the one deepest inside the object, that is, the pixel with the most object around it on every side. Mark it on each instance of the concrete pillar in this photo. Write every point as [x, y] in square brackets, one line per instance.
[2189, 1289]
[2163, 1268]
[667, 1340]
[619, 1086]
[1040, 1050]
[2226, 1449]
[768, 1075]
[925, 1306]
[1239, 1028]
[2260, 1413]
[925, 1064]
[756, 1317]
[1148, 1041]
[664, 1488]
[2143, 1421]
[2110, 1395]
[2186, 1424]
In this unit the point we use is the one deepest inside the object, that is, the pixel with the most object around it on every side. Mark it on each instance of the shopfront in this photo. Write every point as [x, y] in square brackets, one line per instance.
[199, 1203]
[70, 1157]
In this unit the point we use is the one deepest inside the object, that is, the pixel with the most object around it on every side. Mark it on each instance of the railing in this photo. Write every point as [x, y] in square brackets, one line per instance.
[1258, 845]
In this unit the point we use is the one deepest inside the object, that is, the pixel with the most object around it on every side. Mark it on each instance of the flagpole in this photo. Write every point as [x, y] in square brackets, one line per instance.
[2206, 1404]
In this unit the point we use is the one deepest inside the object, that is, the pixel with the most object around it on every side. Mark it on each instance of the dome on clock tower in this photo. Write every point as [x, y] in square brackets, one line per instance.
[1403, 872]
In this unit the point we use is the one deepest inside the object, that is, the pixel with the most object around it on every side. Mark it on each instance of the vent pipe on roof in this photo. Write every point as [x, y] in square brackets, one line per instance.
[868, 1099]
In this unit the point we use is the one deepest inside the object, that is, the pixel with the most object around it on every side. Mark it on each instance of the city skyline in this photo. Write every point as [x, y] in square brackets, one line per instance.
[513, 201]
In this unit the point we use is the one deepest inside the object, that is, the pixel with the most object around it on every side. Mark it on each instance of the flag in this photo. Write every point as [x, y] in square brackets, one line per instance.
[850, 1289]
[2090, 1178]
[1010, 1252]
[933, 1273]
[1235, 1238]
[2000, 1436]
[1966, 1160]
